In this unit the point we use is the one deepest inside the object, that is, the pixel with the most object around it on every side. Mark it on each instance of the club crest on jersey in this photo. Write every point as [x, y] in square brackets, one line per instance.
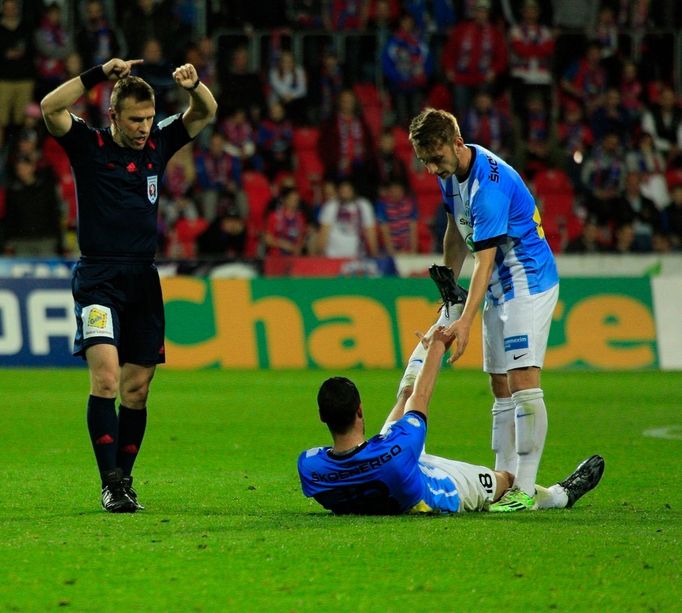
[152, 188]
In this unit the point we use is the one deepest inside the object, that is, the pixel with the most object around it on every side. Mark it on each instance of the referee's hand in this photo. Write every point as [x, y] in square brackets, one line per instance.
[185, 76]
[116, 68]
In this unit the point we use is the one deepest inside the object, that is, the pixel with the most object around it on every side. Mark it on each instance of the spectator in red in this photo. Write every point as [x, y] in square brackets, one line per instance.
[396, 215]
[345, 145]
[475, 56]
[286, 227]
[407, 65]
[532, 49]
[345, 15]
[585, 80]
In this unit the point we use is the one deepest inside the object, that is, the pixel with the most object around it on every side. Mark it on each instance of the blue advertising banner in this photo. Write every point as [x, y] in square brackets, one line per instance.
[37, 323]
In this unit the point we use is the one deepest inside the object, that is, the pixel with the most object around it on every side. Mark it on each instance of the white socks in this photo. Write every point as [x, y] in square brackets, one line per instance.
[531, 430]
[503, 440]
[553, 497]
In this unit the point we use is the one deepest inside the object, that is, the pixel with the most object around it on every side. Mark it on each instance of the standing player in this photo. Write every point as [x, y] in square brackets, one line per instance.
[119, 308]
[492, 213]
[390, 473]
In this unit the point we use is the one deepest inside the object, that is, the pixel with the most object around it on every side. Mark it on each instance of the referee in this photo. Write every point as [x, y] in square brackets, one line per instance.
[116, 288]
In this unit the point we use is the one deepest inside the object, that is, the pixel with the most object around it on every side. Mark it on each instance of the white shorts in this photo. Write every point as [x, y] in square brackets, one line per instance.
[475, 484]
[515, 332]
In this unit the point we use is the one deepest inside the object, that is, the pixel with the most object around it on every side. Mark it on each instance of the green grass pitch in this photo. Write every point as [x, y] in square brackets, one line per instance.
[227, 529]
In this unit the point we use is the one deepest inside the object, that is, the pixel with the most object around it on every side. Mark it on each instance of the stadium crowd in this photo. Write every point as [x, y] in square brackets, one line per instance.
[309, 154]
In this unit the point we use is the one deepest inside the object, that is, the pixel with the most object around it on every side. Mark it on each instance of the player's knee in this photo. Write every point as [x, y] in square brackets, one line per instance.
[134, 393]
[499, 386]
[104, 383]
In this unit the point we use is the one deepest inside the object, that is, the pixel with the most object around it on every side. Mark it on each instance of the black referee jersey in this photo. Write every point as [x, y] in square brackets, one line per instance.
[117, 188]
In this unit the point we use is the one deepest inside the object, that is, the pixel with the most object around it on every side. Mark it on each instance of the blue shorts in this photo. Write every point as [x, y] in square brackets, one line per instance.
[119, 303]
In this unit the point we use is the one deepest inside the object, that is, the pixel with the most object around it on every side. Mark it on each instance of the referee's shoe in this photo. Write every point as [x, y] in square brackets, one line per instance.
[115, 498]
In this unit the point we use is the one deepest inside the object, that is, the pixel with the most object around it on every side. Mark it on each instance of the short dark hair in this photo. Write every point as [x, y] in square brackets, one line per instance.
[338, 401]
[131, 87]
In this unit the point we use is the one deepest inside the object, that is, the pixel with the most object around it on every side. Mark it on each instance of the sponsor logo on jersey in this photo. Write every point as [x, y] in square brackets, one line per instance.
[152, 188]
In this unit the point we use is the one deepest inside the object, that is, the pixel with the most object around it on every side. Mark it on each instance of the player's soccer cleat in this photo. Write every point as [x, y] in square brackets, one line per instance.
[513, 500]
[583, 479]
[127, 483]
[115, 499]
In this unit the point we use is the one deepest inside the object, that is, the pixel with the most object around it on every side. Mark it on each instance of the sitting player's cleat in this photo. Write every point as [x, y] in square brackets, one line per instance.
[513, 500]
[583, 479]
[115, 499]
[127, 483]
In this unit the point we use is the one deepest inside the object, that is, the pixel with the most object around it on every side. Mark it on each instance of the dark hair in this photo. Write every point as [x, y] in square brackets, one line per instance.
[130, 87]
[338, 401]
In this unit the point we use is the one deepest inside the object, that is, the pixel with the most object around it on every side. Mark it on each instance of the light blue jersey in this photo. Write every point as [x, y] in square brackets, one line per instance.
[384, 476]
[493, 207]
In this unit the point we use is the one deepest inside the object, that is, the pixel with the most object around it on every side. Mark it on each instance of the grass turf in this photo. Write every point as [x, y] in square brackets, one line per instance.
[226, 527]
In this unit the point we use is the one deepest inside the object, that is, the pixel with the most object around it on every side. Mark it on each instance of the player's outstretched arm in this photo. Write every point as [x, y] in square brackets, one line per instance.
[426, 379]
[55, 104]
[202, 105]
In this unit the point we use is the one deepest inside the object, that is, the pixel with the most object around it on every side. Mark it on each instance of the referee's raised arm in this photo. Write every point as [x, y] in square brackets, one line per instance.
[202, 105]
[55, 104]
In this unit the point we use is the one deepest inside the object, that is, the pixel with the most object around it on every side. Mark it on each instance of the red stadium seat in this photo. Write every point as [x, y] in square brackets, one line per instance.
[258, 193]
[557, 204]
[305, 138]
[552, 181]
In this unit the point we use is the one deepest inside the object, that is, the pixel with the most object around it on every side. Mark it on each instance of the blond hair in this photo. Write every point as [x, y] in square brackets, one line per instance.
[432, 129]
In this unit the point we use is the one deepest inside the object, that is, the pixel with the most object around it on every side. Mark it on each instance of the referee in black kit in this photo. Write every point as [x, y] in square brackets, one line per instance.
[116, 289]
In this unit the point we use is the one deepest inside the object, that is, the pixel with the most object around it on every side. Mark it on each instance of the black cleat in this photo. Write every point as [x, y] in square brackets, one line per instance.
[583, 479]
[115, 499]
[127, 483]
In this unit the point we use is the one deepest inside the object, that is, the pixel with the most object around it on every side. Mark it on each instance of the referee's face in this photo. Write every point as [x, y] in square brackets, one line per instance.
[132, 124]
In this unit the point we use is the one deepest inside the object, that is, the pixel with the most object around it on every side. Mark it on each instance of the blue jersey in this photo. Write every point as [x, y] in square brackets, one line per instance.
[118, 187]
[492, 207]
[381, 477]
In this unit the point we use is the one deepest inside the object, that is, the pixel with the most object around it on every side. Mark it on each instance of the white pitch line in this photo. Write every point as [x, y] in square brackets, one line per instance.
[671, 433]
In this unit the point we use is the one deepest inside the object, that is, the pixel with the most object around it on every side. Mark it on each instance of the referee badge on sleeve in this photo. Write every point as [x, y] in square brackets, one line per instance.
[152, 188]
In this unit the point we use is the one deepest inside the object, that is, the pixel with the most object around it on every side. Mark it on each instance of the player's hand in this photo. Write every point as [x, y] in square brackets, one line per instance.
[459, 333]
[116, 68]
[441, 335]
[185, 76]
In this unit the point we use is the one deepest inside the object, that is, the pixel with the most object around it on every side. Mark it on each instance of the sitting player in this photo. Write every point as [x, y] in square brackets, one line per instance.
[390, 473]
